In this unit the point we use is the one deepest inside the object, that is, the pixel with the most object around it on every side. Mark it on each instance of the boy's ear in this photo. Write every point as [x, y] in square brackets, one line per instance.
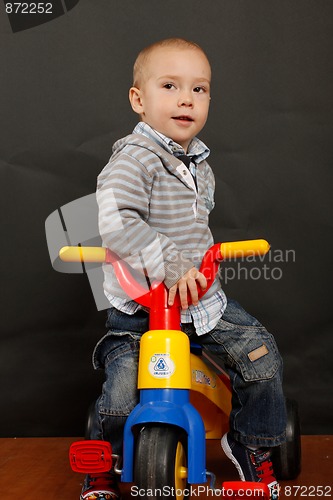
[135, 100]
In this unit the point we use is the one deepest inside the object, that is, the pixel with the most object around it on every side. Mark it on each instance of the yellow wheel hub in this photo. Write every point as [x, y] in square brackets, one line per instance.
[180, 471]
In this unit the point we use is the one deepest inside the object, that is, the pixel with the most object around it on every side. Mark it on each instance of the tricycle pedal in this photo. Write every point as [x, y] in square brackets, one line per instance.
[90, 456]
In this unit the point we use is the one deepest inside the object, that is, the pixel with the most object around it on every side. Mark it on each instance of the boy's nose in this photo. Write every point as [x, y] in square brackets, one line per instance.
[185, 100]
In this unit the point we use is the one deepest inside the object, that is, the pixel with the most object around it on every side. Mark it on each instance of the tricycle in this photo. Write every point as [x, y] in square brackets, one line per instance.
[185, 396]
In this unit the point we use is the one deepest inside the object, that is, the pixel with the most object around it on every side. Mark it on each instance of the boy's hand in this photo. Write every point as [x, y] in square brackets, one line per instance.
[188, 283]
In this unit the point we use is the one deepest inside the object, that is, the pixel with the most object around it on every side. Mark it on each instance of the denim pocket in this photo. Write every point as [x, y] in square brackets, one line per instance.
[250, 348]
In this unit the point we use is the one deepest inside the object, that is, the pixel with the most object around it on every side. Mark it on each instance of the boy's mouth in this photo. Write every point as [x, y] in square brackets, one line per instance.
[183, 118]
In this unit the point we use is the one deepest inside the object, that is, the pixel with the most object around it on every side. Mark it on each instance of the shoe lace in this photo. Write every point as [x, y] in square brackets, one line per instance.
[265, 472]
[263, 465]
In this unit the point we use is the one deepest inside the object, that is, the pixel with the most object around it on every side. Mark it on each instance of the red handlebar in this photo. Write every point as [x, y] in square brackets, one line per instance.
[209, 267]
[126, 280]
[163, 316]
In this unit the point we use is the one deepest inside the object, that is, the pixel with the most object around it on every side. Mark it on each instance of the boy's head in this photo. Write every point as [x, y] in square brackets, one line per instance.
[171, 88]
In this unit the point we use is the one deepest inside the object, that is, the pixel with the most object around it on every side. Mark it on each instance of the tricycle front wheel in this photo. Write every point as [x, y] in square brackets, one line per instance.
[160, 468]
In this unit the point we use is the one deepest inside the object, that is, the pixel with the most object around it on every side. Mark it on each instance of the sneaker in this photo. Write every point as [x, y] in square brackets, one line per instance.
[100, 487]
[252, 465]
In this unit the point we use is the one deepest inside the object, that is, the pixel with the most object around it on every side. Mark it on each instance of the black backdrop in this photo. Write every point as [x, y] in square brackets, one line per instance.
[64, 102]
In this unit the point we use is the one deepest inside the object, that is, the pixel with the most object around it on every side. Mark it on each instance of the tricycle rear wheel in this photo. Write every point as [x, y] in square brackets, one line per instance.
[286, 458]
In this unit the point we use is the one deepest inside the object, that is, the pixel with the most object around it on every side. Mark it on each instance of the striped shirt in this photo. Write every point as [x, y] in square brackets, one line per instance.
[153, 213]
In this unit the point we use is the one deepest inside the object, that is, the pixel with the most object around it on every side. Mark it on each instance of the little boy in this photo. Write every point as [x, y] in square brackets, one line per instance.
[154, 197]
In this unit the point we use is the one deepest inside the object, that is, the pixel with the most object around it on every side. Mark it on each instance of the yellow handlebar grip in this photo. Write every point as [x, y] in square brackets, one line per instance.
[246, 248]
[82, 254]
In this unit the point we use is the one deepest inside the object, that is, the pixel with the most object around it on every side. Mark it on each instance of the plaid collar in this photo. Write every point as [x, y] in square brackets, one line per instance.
[197, 150]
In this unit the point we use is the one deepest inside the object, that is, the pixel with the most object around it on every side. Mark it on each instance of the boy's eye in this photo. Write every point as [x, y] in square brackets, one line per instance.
[168, 86]
[199, 89]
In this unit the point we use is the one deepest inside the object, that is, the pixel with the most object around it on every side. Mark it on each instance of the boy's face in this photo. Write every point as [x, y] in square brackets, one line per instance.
[174, 95]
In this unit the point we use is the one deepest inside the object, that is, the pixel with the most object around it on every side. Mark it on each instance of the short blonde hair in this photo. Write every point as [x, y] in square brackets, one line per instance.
[142, 58]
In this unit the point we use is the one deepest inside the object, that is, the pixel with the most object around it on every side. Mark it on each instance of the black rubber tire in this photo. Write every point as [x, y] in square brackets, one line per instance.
[89, 420]
[287, 457]
[157, 451]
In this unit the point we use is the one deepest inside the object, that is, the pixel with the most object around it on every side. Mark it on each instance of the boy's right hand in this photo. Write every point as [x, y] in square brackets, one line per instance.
[188, 283]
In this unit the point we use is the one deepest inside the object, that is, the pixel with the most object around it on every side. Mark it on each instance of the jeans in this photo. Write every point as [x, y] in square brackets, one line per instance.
[249, 354]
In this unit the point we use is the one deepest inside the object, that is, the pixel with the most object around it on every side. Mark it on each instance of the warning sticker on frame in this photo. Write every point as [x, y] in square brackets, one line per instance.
[161, 365]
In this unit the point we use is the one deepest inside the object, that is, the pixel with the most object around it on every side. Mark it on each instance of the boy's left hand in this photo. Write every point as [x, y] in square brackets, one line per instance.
[188, 283]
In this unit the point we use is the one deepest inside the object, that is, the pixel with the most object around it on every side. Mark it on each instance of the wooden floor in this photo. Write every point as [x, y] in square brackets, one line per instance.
[38, 468]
